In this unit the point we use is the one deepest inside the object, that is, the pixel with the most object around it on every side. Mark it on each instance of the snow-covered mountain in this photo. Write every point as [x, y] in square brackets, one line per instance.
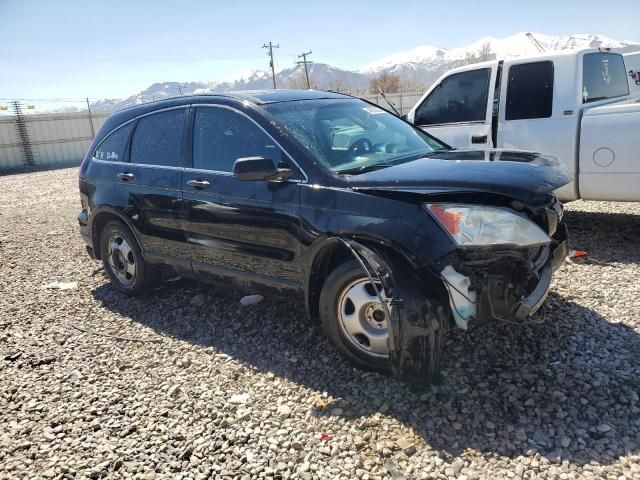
[417, 67]
[322, 76]
[426, 63]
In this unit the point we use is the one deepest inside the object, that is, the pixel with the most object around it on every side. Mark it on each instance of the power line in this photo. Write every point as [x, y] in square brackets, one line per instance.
[304, 61]
[273, 71]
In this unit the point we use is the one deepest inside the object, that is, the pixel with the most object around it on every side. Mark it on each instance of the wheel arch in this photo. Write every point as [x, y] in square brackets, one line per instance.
[100, 219]
[330, 254]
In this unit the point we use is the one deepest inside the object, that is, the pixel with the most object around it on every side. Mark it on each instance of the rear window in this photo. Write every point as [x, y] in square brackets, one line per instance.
[114, 146]
[530, 91]
[603, 76]
[158, 139]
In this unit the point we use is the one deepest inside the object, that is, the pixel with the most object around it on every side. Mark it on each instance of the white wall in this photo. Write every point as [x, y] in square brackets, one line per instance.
[56, 139]
[59, 139]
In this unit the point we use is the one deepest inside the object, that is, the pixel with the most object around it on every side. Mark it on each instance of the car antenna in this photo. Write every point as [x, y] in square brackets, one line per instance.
[387, 100]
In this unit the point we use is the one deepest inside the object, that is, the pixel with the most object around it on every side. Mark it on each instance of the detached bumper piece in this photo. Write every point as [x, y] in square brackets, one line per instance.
[528, 306]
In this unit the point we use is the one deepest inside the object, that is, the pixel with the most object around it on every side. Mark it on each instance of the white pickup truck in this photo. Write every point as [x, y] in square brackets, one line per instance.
[574, 105]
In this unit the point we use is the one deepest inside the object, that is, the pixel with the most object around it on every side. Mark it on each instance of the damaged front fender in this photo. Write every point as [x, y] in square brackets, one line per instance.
[419, 319]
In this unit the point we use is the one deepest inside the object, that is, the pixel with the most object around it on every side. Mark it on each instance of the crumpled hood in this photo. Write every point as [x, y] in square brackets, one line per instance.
[524, 176]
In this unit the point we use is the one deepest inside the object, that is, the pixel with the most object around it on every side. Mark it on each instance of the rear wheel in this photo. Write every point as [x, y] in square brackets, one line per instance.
[122, 259]
[353, 317]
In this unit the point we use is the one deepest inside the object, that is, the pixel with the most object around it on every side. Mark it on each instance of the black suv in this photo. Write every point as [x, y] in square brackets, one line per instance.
[386, 233]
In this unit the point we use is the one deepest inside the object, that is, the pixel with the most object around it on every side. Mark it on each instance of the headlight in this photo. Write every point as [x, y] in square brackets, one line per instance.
[479, 225]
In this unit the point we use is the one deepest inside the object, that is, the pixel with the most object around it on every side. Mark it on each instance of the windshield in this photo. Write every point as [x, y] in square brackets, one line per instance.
[352, 136]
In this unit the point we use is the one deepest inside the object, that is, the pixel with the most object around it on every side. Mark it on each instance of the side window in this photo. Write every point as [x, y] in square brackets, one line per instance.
[221, 136]
[114, 146]
[604, 76]
[530, 91]
[461, 97]
[157, 139]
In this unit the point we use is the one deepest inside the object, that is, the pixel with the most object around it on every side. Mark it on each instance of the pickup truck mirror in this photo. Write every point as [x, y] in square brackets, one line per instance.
[259, 168]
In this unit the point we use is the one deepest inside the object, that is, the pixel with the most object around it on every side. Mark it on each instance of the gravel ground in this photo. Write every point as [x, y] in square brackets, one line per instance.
[212, 389]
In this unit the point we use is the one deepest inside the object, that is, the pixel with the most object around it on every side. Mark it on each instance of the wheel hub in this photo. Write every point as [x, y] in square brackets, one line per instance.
[362, 317]
[122, 259]
[375, 316]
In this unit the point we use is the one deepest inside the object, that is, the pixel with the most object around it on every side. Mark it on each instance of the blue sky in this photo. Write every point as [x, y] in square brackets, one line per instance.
[72, 49]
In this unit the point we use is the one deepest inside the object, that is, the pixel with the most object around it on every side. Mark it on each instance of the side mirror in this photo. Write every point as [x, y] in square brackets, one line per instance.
[259, 168]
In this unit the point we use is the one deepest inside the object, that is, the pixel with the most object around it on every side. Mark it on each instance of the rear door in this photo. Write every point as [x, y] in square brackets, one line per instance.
[458, 109]
[244, 232]
[148, 186]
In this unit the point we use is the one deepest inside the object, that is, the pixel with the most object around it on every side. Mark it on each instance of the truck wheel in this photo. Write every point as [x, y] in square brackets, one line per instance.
[353, 317]
[122, 259]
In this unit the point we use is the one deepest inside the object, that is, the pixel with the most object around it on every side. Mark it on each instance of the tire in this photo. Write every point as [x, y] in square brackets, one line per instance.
[123, 262]
[334, 297]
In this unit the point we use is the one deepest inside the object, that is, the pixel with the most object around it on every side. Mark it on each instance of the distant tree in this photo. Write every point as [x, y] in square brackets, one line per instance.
[386, 82]
[339, 85]
[298, 80]
[483, 54]
[412, 85]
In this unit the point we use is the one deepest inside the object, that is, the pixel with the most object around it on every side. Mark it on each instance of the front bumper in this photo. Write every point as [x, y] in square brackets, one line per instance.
[509, 284]
[529, 305]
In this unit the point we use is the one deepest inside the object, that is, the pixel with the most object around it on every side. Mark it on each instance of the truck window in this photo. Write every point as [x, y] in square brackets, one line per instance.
[603, 76]
[530, 91]
[461, 97]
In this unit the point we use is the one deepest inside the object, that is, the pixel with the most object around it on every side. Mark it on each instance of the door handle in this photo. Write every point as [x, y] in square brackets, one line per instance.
[479, 139]
[199, 184]
[126, 176]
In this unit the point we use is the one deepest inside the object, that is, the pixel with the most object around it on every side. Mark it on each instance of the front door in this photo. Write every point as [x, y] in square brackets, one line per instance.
[456, 110]
[148, 187]
[535, 117]
[242, 232]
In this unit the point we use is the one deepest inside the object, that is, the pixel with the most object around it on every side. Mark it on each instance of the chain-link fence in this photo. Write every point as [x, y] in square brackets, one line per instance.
[402, 102]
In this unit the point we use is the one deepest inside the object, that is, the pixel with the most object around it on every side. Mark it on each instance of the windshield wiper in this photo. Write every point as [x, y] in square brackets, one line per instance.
[363, 169]
[433, 152]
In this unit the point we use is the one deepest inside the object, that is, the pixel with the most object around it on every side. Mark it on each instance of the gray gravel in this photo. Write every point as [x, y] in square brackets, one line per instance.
[213, 389]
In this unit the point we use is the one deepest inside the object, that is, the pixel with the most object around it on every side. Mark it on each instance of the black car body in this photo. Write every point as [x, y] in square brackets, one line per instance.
[422, 230]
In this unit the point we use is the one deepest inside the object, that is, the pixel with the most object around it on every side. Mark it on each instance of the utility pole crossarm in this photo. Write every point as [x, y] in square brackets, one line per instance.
[273, 71]
[305, 62]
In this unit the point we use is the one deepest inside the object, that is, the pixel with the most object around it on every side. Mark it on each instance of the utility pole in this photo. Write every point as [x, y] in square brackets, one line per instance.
[93, 132]
[273, 70]
[535, 42]
[304, 61]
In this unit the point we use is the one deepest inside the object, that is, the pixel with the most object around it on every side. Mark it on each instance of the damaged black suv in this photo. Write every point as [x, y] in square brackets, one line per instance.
[388, 235]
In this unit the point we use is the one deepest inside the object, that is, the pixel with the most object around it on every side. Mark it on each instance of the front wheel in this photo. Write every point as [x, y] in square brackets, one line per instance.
[353, 317]
[122, 259]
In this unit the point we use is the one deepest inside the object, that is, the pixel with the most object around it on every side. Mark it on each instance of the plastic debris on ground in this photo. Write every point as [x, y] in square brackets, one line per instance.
[573, 254]
[251, 300]
[320, 403]
[61, 285]
[239, 398]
